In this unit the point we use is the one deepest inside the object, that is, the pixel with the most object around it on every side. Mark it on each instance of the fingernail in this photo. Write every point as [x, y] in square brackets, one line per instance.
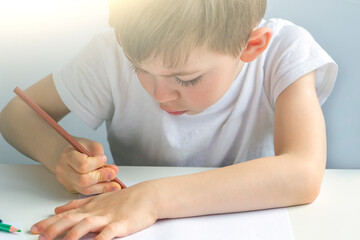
[34, 229]
[104, 158]
[110, 176]
[113, 189]
[42, 237]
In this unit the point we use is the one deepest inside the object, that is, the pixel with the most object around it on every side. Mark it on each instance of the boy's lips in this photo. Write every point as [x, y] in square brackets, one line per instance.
[173, 112]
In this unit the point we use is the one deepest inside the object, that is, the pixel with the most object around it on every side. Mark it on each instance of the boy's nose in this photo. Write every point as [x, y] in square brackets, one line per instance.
[163, 92]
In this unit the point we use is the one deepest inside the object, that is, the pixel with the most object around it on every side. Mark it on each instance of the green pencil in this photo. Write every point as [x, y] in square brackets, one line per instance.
[8, 228]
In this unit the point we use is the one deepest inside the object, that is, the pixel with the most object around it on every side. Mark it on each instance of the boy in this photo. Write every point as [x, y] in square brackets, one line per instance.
[213, 85]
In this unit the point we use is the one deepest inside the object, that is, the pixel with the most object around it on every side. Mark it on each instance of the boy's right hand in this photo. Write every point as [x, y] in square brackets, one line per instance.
[78, 172]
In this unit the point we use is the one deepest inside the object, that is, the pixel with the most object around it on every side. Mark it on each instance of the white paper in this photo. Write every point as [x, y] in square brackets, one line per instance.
[12, 236]
[272, 224]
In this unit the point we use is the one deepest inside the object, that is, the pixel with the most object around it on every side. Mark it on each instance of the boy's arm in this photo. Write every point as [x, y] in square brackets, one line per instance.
[30, 134]
[292, 177]
[27, 132]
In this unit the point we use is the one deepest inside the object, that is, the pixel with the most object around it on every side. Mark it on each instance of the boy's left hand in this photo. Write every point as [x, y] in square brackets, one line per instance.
[114, 214]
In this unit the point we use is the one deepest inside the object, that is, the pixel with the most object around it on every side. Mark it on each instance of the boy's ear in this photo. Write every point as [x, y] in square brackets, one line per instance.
[257, 43]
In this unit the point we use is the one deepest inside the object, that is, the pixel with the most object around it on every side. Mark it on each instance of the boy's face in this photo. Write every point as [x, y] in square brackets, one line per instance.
[193, 87]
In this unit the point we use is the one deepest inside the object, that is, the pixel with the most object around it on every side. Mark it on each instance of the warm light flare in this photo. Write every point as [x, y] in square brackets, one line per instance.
[39, 15]
[36, 36]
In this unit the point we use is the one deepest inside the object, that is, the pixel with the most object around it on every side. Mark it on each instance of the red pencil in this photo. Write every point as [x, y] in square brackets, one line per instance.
[57, 127]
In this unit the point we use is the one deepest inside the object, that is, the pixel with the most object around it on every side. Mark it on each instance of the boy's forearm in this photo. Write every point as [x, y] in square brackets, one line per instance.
[259, 184]
[28, 133]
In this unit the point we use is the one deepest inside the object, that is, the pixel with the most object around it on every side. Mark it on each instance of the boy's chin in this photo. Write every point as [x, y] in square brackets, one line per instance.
[191, 112]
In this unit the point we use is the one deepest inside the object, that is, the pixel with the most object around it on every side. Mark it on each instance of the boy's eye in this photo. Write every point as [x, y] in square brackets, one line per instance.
[188, 83]
[183, 83]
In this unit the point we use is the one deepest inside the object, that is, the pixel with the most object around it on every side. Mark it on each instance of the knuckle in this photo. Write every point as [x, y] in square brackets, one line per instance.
[106, 188]
[126, 230]
[111, 187]
[59, 172]
[89, 220]
[84, 181]
[100, 237]
[60, 215]
[100, 146]
[83, 166]
[113, 227]
[101, 161]
[96, 146]
[97, 176]
[103, 176]
[69, 218]
[86, 191]
[73, 234]
[60, 179]
[120, 228]
[58, 168]
[72, 202]
[51, 231]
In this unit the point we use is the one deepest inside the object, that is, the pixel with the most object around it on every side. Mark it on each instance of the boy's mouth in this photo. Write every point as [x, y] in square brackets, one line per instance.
[172, 112]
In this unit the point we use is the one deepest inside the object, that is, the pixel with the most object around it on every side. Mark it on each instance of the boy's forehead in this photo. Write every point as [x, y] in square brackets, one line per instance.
[197, 60]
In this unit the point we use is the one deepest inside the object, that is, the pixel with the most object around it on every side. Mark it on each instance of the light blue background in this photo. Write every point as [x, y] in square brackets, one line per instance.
[32, 45]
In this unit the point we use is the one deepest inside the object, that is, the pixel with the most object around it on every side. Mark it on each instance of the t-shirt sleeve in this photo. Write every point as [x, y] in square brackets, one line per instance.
[292, 54]
[84, 86]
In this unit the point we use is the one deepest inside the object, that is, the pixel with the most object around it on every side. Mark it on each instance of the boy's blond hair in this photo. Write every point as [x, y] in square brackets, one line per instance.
[168, 30]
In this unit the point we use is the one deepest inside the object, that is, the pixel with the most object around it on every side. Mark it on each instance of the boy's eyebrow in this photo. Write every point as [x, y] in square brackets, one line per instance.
[180, 74]
[183, 73]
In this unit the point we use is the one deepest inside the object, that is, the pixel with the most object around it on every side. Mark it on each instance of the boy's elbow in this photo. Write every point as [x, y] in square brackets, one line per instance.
[310, 183]
[311, 194]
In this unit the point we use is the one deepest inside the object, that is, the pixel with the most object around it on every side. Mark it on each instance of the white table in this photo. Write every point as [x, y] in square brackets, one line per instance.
[29, 193]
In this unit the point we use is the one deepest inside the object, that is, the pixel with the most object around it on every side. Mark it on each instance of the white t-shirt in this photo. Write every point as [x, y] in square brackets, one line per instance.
[99, 85]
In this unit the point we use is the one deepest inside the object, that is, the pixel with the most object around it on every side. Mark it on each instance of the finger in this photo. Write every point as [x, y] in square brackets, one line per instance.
[61, 226]
[114, 167]
[93, 147]
[100, 188]
[115, 229]
[67, 176]
[103, 174]
[39, 227]
[72, 205]
[83, 164]
[82, 181]
[88, 224]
